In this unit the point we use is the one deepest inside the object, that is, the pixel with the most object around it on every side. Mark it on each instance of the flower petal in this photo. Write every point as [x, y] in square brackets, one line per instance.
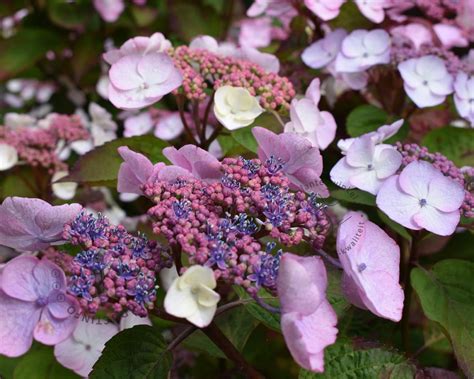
[18, 320]
[397, 204]
[437, 222]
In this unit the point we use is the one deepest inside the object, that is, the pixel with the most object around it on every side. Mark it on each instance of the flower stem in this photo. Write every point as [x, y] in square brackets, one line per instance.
[409, 256]
[187, 129]
[220, 339]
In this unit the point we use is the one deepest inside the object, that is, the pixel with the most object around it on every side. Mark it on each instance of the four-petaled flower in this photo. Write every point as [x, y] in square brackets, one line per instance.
[421, 197]
[426, 80]
[366, 165]
[363, 49]
[192, 296]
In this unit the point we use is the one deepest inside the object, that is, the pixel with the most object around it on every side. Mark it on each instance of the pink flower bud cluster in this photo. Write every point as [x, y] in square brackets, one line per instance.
[439, 10]
[38, 146]
[221, 224]
[203, 70]
[116, 271]
[465, 177]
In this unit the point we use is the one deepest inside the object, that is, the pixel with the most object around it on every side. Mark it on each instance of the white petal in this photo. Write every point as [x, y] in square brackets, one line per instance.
[180, 302]
[203, 316]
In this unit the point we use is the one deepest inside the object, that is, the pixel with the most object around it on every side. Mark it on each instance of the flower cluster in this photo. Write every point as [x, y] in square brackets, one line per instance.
[414, 152]
[39, 145]
[115, 271]
[202, 70]
[220, 223]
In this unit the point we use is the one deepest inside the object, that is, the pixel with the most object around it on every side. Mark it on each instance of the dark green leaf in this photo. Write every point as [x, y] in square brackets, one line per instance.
[455, 143]
[350, 18]
[100, 166]
[334, 291]
[269, 319]
[87, 52]
[245, 137]
[446, 293]
[354, 196]
[69, 15]
[136, 353]
[396, 227]
[24, 49]
[343, 361]
[195, 19]
[237, 325]
[365, 119]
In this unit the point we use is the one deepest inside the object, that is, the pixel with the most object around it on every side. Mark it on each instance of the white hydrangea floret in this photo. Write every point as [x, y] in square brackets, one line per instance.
[8, 157]
[235, 107]
[192, 296]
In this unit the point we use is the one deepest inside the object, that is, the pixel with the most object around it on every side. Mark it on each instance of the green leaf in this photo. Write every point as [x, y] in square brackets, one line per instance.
[365, 119]
[459, 247]
[446, 294]
[350, 18]
[269, 319]
[334, 291]
[69, 15]
[237, 325]
[342, 361]
[455, 143]
[100, 166]
[396, 227]
[87, 52]
[25, 48]
[19, 182]
[139, 352]
[354, 196]
[195, 19]
[217, 5]
[40, 363]
[245, 138]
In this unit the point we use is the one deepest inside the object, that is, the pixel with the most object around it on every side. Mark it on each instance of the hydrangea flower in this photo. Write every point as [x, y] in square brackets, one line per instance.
[64, 191]
[156, 43]
[363, 49]
[138, 125]
[195, 160]
[137, 81]
[373, 9]
[308, 321]
[371, 263]
[235, 107]
[366, 165]
[137, 169]
[34, 304]
[417, 34]
[83, 348]
[115, 271]
[323, 51]
[421, 197]
[450, 35]
[8, 157]
[324, 9]
[33, 224]
[464, 96]
[109, 10]
[426, 80]
[220, 224]
[297, 158]
[169, 126]
[319, 127]
[192, 296]
[378, 136]
[255, 32]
